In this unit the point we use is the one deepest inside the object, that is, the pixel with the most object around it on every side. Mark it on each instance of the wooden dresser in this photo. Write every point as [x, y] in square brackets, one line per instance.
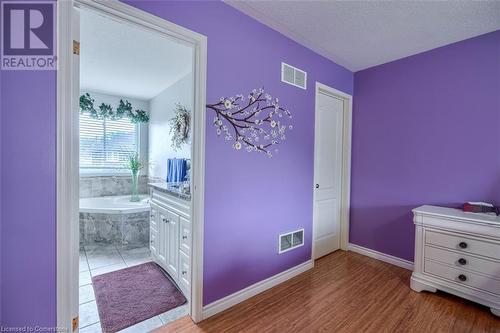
[459, 253]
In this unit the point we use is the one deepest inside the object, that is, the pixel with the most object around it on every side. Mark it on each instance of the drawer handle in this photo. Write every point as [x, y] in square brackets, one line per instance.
[166, 220]
[462, 277]
[462, 245]
[184, 237]
[462, 261]
[184, 272]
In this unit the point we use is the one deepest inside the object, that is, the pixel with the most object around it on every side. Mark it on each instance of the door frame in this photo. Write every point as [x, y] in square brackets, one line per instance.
[68, 149]
[345, 192]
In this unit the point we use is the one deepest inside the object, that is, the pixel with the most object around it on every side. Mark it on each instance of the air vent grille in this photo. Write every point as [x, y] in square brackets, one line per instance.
[291, 240]
[293, 76]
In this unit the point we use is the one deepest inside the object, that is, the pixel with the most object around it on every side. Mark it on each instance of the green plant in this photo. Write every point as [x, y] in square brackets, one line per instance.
[134, 163]
[180, 126]
[106, 111]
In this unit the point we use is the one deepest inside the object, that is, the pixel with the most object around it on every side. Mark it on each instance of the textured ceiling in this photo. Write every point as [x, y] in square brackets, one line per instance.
[121, 59]
[362, 34]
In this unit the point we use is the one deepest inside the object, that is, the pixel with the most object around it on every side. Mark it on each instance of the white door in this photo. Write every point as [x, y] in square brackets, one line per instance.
[153, 230]
[173, 245]
[162, 236]
[327, 173]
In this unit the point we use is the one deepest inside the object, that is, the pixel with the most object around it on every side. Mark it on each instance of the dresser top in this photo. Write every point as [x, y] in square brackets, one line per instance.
[458, 214]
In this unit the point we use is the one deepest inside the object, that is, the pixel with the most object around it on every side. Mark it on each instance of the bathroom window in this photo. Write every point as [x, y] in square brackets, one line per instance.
[106, 144]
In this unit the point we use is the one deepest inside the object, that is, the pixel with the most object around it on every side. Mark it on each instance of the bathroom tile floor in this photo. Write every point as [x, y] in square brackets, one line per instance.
[100, 259]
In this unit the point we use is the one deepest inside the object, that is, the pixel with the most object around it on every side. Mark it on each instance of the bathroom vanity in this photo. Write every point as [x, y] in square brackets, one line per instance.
[459, 253]
[170, 233]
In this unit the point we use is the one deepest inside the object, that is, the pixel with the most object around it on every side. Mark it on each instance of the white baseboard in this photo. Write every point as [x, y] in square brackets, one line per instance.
[250, 291]
[381, 256]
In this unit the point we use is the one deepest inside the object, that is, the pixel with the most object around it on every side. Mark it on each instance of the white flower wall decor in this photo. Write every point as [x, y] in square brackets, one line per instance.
[256, 123]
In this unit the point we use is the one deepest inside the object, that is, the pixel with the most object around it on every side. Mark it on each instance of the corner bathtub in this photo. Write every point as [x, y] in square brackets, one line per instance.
[114, 205]
[115, 220]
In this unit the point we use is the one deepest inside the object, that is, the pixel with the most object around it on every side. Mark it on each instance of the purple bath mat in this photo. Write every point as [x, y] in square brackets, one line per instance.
[134, 294]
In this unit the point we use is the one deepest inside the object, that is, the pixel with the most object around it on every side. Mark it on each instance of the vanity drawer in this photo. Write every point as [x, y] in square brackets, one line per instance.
[153, 216]
[463, 260]
[185, 236]
[153, 241]
[185, 273]
[462, 277]
[463, 244]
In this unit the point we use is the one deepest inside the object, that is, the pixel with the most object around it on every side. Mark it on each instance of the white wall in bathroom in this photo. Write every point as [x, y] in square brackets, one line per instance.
[161, 111]
[114, 101]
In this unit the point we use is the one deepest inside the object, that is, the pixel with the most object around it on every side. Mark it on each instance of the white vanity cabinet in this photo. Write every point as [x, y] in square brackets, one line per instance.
[170, 236]
[459, 253]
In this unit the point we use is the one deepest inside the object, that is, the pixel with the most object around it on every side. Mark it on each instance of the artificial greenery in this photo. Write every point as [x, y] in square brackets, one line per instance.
[106, 111]
[134, 163]
[180, 126]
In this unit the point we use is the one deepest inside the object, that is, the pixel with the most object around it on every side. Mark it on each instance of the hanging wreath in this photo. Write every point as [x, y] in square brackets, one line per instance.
[180, 126]
[106, 111]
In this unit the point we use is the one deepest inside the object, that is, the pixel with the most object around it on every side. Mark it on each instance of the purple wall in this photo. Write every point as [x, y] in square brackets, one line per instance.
[425, 131]
[250, 199]
[28, 191]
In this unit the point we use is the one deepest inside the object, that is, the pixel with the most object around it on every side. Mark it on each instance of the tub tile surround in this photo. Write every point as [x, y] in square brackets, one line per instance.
[104, 186]
[122, 229]
[105, 258]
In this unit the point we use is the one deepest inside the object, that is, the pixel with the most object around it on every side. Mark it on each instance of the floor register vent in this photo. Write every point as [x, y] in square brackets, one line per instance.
[291, 240]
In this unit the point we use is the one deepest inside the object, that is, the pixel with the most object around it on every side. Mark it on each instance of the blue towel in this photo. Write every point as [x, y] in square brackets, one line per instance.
[176, 170]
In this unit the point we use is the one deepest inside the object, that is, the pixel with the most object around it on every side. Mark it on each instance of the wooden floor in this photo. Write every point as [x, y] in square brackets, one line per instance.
[347, 292]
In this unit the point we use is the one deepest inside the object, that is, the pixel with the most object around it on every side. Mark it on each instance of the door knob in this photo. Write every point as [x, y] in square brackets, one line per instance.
[317, 185]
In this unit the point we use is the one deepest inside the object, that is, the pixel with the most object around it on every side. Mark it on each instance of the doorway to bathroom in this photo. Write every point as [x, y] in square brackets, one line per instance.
[132, 158]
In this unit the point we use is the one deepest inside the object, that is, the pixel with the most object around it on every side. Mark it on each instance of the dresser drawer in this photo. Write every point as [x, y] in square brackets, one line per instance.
[462, 277]
[463, 244]
[463, 261]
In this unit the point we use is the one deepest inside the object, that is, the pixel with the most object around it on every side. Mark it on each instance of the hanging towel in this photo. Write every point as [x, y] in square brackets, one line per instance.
[176, 170]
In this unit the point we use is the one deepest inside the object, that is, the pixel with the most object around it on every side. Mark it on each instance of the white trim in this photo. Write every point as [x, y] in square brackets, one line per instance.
[346, 161]
[67, 143]
[381, 256]
[67, 267]
[257, 288]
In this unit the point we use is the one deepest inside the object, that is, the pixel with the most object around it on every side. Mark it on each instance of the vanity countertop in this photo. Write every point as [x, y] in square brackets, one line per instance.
[171, 189]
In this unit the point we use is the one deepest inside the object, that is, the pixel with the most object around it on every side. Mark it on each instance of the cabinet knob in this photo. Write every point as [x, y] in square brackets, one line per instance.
[462, 245]
[152, 215]
[317, 185]
[184, 272]
[462, 261]
[462, 277]
[166, 220]
[184, 237]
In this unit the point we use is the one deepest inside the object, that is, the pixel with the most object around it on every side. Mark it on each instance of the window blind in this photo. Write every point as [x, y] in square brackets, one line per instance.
[106, 144]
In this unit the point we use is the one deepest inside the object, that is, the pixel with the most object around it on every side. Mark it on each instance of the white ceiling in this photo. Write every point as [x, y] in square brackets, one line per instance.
[125, 60]
[362, 34]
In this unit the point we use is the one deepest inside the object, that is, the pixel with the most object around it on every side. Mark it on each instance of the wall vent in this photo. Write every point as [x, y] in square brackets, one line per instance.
[294, 76]
[291, 240]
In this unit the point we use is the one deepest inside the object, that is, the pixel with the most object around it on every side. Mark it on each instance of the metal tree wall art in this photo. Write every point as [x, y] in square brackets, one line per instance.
[256, 123]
